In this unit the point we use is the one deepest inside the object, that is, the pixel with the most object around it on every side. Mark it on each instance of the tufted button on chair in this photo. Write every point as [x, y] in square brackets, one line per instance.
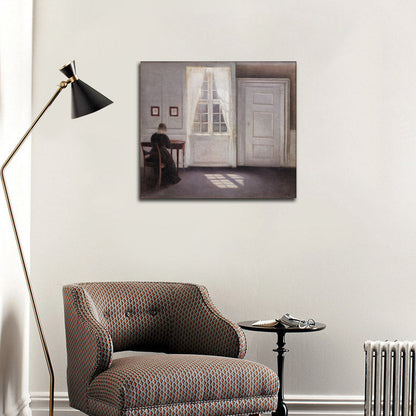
[197, 365]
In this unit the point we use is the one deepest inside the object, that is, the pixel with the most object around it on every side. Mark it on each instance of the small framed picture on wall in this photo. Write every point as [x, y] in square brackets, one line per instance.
[155, 111]
[174, 111]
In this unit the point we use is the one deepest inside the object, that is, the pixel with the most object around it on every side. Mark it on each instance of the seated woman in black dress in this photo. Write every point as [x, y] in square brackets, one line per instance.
[169, 174]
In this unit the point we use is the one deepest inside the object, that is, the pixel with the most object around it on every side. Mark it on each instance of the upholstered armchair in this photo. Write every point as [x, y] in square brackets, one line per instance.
[196, 366]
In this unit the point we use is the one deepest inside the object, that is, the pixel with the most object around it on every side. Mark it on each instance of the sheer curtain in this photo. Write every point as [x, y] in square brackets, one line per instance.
[194, 79]
[222, 77]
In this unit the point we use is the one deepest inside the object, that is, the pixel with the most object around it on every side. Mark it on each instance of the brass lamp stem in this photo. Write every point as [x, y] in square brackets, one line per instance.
[62, 85]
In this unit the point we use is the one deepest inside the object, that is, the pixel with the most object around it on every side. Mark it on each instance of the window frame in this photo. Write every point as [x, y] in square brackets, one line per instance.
[210, 101]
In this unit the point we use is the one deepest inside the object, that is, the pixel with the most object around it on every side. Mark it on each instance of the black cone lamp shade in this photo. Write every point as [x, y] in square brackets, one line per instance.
[85, 99]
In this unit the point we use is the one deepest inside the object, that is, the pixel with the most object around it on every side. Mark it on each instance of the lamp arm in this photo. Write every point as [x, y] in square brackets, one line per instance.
[62, 85]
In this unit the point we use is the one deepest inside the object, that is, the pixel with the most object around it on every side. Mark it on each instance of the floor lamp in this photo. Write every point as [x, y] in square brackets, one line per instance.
[85, 100]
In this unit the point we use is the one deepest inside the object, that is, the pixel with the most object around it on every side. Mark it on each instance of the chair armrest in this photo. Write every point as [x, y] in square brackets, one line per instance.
[89, 344]
[199, 328]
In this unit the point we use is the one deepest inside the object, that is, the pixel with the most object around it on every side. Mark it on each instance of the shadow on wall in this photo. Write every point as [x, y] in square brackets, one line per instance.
[11, 366]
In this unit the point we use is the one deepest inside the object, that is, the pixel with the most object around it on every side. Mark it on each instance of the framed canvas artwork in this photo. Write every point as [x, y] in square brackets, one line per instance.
[232, 134]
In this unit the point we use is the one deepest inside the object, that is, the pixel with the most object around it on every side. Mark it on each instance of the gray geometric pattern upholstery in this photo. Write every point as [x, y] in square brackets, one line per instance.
[89, 345]
[162, 381]
[200, 372]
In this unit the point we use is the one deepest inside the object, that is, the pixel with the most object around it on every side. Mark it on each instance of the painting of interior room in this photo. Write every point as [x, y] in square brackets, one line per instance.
[217, 130]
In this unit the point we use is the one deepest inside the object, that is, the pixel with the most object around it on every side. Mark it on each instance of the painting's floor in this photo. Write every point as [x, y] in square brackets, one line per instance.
[225, 183]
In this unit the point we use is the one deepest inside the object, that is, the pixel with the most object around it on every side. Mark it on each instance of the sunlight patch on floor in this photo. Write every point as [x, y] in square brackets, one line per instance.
[231, 181]
[237, 178]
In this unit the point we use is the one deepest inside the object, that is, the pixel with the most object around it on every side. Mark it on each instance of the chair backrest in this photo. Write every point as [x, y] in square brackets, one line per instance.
[145, 146]
[138, 315]
[146, 153]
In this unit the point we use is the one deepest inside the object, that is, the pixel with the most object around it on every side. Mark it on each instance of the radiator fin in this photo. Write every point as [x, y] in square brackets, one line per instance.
[390, 378]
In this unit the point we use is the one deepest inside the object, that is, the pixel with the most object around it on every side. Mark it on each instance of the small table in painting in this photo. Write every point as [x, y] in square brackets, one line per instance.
[178, 145]
[281, 331]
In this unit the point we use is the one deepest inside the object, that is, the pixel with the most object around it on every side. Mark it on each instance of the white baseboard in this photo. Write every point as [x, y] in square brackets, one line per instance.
[300, 405]
[40, 404]
[309, 405]
[20, 409]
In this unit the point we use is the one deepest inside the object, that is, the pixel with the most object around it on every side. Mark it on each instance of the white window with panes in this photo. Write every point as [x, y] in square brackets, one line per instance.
[209, 115]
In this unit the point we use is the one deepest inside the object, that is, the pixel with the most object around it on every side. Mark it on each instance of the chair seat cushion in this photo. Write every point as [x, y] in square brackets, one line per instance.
[174, 384]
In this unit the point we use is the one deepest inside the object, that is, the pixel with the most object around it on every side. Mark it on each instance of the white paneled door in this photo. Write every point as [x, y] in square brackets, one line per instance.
[263, 121]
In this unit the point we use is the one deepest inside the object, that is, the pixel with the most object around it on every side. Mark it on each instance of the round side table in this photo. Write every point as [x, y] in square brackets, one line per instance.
[281, 331]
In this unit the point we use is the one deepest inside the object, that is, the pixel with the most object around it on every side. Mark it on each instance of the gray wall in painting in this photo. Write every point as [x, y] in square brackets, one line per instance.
[163, 84]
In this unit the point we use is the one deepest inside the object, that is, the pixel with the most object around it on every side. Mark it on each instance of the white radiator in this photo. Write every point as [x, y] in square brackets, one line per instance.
[389, 378]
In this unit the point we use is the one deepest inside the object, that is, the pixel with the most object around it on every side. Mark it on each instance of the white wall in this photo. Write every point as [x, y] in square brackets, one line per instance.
[15, 116]
[343, 252]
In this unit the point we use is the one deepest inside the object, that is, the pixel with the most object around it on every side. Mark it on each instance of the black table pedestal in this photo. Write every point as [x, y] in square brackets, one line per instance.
[281, 407]
[281, 330]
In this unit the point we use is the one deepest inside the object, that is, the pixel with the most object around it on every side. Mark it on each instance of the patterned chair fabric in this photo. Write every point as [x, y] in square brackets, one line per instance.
[199, 369]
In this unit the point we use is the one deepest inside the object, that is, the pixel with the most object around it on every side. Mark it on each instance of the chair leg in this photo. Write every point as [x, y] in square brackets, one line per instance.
[159, 180]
